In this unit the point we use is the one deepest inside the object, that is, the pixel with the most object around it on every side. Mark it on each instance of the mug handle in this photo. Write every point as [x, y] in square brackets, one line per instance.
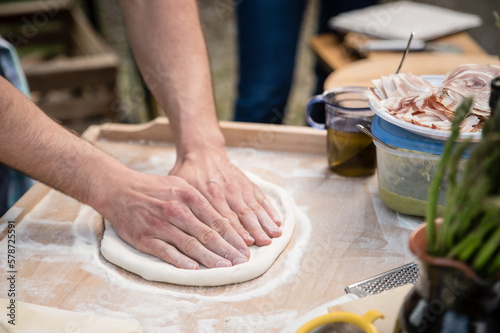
[314, 100]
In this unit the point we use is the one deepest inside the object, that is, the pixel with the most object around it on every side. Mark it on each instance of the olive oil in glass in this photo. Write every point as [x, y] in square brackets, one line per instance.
[351, 153]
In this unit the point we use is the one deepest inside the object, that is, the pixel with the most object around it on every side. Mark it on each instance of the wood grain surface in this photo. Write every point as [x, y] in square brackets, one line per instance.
[344, 234]
[336, 55]
[362, 72]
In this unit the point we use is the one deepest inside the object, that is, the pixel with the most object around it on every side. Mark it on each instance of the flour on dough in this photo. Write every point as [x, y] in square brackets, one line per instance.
[117, 251]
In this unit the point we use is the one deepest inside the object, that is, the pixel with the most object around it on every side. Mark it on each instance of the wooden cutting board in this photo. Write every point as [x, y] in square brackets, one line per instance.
[345, 234]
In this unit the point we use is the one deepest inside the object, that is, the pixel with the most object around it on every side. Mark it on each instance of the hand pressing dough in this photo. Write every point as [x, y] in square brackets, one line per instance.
[117, 251]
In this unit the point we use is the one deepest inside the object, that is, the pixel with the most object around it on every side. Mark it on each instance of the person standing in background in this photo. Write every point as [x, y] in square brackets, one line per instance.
[268, 33]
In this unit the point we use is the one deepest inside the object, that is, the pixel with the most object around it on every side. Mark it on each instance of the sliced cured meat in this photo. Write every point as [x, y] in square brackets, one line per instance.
[411, 98]
[471, 80]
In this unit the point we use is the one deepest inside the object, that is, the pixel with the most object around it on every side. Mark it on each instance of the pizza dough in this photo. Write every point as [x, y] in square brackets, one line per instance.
[117, 251]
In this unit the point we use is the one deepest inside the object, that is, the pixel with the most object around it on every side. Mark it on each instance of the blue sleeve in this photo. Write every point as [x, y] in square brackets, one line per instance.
[10, 67]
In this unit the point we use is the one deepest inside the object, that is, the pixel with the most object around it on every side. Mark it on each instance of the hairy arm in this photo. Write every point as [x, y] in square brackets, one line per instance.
[170, 49]
[29, 138]
[160, 215]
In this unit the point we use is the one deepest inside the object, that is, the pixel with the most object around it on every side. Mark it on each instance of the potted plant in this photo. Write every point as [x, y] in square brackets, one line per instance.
[459, 286]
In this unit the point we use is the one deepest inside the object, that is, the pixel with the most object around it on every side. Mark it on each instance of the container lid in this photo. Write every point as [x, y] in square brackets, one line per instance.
[401, 138]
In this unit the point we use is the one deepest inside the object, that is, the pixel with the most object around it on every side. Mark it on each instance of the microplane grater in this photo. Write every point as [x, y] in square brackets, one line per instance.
[393, 278]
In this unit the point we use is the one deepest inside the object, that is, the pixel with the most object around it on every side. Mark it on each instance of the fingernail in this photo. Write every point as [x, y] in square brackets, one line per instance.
[264, 239]
[248, 237]
[191, 266]
[275, 228]
[238, 261]
[223, 263]
[245, 252]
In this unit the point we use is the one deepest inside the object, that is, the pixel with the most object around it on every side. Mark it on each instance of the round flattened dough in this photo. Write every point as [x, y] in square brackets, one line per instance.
[117, 251]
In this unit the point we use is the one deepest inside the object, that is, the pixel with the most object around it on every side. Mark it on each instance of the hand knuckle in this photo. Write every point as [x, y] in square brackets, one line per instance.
[244, 212]
[190, 197]
[208, 236]
[173, 209]
[164, 253]
[140, 241]
[231, 216]
[189, 245]
[232, 187]
[167, 254]
[255, 207]
[261, 199]
[215, 192]
[155, 223]
[220, 226]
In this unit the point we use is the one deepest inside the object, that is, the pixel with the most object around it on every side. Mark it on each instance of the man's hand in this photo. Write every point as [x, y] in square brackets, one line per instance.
[160, 215]
[166, 217]
[170, 50]
[231, 193]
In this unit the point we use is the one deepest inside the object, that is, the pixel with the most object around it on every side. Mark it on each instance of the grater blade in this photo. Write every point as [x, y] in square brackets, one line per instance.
[393, 278]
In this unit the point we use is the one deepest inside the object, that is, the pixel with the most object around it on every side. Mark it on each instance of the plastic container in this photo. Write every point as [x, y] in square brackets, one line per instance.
[404, 174]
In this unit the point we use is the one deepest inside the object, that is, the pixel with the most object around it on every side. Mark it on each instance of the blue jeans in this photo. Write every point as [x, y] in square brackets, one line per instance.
[268, 32]
[13, 185]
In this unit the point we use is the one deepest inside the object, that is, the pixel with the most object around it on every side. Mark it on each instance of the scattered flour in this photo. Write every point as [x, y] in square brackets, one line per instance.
[89, 249]
[174, 303]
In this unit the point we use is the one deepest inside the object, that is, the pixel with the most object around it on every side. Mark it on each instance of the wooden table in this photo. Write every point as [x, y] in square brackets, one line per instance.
[350, 70]
[345, 234]
[337, 55]
[362, 72]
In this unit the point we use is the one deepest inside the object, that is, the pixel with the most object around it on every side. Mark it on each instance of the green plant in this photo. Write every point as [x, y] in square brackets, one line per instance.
[470, 228]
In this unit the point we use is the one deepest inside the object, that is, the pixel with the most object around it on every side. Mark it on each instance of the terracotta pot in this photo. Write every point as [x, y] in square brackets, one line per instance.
[449, 296]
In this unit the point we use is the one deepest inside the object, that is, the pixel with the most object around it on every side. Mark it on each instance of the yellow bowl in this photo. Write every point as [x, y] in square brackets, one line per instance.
[364, 322]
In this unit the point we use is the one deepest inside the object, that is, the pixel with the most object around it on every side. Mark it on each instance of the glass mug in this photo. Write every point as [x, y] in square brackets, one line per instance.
[350, 151]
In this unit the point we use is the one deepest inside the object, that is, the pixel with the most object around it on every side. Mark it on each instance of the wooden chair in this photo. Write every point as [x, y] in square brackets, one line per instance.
[70, 70]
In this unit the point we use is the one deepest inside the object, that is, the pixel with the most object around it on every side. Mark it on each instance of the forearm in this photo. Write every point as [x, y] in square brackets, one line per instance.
[34, 144]
[170, 49]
